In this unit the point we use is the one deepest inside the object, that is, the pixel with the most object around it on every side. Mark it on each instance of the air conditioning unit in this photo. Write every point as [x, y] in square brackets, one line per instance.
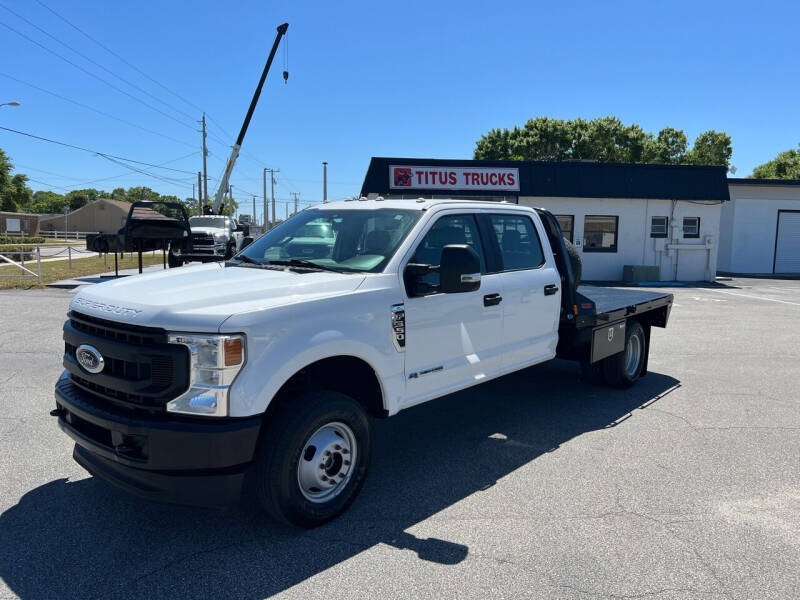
[639, 273]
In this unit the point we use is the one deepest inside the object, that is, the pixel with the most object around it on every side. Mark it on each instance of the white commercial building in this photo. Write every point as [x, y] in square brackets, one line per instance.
[662, 221]
[760, 227]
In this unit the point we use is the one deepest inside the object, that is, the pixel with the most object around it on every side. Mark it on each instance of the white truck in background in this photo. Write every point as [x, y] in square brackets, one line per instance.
[182, 385]
[214, 238]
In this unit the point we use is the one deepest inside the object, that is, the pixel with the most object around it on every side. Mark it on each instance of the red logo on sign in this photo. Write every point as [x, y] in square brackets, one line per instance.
[402, 177]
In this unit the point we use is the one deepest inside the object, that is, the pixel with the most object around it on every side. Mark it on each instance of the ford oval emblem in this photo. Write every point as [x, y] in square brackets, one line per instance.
[89, 358]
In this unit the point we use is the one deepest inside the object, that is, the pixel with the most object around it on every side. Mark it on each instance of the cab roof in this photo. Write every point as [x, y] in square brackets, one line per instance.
[412, 204]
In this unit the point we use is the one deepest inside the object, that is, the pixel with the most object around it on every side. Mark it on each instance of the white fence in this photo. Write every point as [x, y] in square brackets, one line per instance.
[31, 255]
[65, 235]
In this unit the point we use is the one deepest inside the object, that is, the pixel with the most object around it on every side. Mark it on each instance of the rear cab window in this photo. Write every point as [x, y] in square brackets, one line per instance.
[518, 241]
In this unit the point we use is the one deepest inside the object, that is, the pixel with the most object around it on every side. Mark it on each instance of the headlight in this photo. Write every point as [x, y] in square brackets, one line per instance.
[220, 237]
[214, 363]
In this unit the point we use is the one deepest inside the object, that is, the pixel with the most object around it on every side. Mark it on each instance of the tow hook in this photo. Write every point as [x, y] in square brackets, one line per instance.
[57, 412]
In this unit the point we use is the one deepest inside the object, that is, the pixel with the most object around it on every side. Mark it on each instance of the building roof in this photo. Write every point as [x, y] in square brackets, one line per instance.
[574, 179]
[751, 181]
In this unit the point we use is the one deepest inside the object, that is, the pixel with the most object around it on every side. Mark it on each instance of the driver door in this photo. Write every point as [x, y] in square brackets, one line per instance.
[452, 340]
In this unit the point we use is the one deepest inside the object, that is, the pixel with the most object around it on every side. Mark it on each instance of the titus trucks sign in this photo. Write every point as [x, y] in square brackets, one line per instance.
[499, 179]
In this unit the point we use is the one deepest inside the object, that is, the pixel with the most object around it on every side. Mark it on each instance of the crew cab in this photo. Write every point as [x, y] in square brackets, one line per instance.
[214, 238]
[269, 368]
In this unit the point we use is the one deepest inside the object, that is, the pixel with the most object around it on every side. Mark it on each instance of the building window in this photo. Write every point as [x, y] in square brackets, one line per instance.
[691, 227]
[658, 227]
[600, 233]
[519, 243]
[567, 224]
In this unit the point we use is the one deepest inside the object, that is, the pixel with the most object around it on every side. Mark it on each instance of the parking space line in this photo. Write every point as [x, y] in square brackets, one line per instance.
[754, 297]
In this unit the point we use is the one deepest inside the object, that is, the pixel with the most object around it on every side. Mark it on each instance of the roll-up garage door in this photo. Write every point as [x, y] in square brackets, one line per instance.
[787, 246]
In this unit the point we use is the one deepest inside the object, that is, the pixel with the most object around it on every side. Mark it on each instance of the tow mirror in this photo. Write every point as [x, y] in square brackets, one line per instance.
[460, 269]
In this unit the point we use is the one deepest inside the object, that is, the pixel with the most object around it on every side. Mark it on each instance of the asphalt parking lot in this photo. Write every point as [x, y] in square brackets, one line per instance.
[532, 486]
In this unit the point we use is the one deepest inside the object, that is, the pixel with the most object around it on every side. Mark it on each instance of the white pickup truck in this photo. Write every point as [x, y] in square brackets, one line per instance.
[268, 369]
[214, 238]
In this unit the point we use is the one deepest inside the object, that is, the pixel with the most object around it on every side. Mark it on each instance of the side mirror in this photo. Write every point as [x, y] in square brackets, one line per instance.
[460, 269]
[246, 242]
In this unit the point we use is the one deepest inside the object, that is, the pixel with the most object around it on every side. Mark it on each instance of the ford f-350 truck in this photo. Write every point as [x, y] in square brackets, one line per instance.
[182, 385]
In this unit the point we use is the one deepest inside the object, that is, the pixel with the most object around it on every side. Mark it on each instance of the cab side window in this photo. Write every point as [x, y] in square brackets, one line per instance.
[519, 242]
[450, 229]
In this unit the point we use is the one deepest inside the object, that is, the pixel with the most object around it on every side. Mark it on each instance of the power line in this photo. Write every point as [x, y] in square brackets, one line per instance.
[83, 183]
[110, 51]
[96, 152]
[153, 175]
[48, 184]
[95, 63]
[109, 84]
[100, 112]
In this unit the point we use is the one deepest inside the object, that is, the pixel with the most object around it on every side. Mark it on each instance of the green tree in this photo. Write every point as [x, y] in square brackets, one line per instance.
[669, 147]
[711, 148]
[19, 192]
[784, 166]
[142, 194]
[47, 202]
[605, 139]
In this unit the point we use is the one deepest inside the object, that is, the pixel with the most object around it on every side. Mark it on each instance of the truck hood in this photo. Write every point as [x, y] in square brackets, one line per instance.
[200, 298]
[211, 230]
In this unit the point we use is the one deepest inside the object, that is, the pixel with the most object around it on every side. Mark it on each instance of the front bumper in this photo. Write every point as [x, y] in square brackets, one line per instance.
[205, 252]
[159, 457]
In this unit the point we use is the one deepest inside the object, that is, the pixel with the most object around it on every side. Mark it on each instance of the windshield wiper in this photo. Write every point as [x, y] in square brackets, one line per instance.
[306, 264]
[243, 258]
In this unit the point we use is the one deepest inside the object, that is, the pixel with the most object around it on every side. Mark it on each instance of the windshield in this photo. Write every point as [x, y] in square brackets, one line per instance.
[218, 222]
[345, 240]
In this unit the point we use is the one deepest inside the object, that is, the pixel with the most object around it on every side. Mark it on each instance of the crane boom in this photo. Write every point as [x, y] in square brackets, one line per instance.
[216, 208]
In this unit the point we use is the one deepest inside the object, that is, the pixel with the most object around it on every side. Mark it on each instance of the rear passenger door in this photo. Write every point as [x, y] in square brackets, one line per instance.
[529, 285]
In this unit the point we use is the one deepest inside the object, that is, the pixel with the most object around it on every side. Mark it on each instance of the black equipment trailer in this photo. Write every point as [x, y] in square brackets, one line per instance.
[149, 226]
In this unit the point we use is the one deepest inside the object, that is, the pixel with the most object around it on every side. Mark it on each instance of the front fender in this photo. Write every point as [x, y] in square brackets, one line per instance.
[281, 342]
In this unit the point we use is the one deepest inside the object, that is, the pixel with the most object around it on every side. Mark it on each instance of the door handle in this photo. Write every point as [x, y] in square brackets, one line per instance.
[492, 299]
[551, 289]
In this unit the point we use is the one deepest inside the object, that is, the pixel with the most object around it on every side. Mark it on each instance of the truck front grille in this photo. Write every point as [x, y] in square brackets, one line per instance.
[202, 239]
[141, 369]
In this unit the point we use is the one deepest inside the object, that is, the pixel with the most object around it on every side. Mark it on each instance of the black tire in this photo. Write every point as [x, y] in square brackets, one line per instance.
[575, 260]
[622, 370]
[278, 488]
[173, 261]
[230, 250]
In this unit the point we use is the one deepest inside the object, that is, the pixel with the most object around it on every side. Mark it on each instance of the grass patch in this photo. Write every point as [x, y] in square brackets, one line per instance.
[58, 270]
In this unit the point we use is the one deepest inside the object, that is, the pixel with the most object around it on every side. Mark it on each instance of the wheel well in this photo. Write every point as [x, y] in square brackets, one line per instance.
[344, 374]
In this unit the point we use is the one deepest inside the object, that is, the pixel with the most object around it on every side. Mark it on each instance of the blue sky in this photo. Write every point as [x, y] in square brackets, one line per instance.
[383, 79]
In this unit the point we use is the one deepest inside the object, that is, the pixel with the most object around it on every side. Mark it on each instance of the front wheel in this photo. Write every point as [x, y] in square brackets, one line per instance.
[313, 459]
[623, 369]
[173, 261]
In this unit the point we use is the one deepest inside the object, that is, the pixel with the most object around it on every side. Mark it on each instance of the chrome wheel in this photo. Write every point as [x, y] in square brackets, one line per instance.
[327, 462]
[633, 356]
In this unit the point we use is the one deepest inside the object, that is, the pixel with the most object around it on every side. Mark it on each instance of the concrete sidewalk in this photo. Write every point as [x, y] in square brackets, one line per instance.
[69, 284]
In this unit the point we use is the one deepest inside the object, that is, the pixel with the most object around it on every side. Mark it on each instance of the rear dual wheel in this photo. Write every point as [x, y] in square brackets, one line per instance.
[624, 368]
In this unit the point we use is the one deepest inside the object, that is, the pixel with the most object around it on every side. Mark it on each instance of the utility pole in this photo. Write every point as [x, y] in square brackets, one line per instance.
[265, 199]
[253, 218]
[295, 195]
[199, 193]
[204, 198]
[287, 210]
[272, 184]
[324, 182]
